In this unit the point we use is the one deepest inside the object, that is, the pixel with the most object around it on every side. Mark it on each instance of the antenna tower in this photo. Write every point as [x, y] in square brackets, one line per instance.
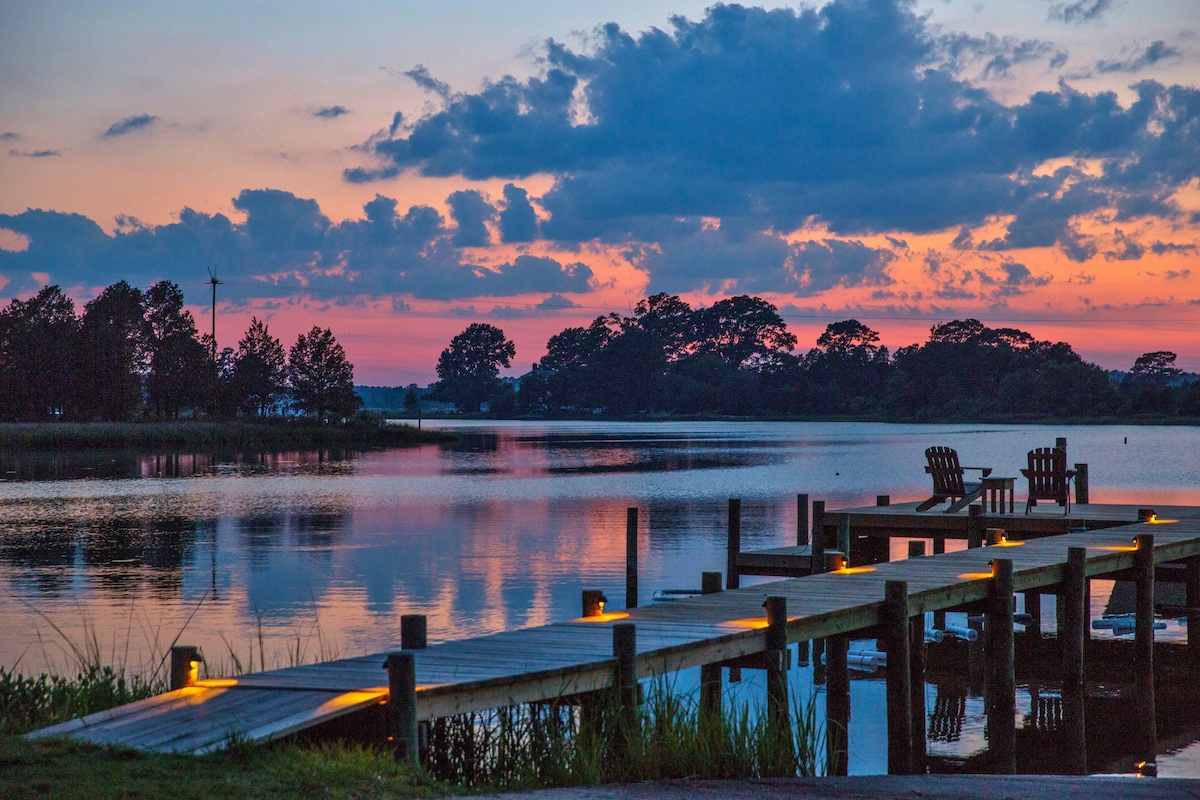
[212, 279]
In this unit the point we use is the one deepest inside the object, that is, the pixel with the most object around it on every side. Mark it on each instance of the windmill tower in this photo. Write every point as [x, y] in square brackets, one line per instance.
[212, 279]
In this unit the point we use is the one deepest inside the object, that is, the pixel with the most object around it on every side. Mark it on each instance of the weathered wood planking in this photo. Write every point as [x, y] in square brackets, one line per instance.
[567, 658]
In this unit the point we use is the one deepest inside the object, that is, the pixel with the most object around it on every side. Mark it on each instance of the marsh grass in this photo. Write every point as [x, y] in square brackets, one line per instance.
[209, 436]
[591, 741]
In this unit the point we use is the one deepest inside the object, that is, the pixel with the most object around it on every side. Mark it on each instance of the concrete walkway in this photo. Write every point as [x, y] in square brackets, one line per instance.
[887, 787]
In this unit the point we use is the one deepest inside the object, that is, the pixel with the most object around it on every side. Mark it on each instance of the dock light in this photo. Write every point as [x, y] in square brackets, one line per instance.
[1147, 769]
[996, 536]
[593, 603]
[835, 562]
[1146, 515]
[185, 666]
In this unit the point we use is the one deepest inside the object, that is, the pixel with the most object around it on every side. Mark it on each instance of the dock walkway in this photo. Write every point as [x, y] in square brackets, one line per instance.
[553, 661]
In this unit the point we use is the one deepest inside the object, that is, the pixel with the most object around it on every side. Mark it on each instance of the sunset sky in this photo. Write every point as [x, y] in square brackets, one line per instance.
[398, 170]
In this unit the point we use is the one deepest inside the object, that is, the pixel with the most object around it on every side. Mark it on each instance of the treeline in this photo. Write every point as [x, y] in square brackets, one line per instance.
[136, 354]
[736, 358]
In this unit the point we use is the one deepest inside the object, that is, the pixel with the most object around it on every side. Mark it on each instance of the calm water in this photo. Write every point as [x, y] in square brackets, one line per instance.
[273, 559]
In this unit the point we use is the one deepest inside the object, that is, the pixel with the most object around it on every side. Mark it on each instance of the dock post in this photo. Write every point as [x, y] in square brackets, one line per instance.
[939, 547]
[625, 682]
[916, 648]
[1081, 484]
[734, 546]
[778, 719]
[593, 603]
[1143, 647]
[1072, 634]
[801, 520]
[1002, 682]
[631, 557]
[916, 549]
[843, 536]
[402, 705]
[883, 499]
[1192, 600]
[899, 678]
[710, 674]
[1033, 628]
[837, 705]
[185, 661]
[413, 632]
[975, 525]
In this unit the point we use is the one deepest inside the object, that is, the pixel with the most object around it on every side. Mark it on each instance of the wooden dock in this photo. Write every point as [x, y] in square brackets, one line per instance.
[723, 628]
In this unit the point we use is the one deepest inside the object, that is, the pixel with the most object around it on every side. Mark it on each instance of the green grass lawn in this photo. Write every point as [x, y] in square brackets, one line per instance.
[63, 769]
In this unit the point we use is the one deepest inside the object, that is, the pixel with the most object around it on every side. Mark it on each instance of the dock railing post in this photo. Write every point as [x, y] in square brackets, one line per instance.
[593, 601]
[1072, 634]
[631, 557]
[899, 678]
[1081, 484]
[1002, 683]
[1143, 647]
[837, 705]
[402, 705]
[975, 525]
[801, 520]
[778, 718]
[710, 674]
[883, 500]
[185, 662]
[734, 544]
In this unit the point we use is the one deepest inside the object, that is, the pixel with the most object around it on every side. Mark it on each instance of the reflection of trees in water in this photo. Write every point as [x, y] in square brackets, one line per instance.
[123, 554]
[57, 465]
[54, 465]
[43, 552]
[316, 531]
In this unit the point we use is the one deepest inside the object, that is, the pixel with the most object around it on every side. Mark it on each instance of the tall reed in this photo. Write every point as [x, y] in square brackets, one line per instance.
[588, 740]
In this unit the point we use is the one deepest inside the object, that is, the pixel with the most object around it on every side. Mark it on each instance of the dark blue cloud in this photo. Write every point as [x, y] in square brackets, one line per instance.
[286, 246]
[330, 112]
[471, 213]
[775, 117]
[1079, 11]
[34, 153]
[1156, 52]
[10, 136]
[129, 125]
[518, 222]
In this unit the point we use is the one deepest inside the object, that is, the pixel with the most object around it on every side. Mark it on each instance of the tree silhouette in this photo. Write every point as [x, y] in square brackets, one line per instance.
[320, 378]
[467, 369]
[258, 378]
[111, 354]
[37, 337]
[181, 371]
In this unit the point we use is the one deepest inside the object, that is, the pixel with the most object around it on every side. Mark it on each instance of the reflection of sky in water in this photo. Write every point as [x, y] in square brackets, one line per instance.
[500, 530]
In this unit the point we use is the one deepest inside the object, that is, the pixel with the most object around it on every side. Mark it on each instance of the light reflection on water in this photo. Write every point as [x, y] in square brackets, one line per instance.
[320, 554]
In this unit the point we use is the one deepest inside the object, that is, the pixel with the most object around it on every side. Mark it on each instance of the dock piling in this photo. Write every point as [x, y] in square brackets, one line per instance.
[1072, 633]
[593, 603]
[837, 705]
[817, 550]
[413, 632]
[778, 717]
[1002, 682]
[625, 651]
[843, 537]
[402, 705]
[710, 674]
[631, 557]
[801, 520]
[734, 545]
[916, 654]
[1143, 647]
[1081, 484]
[883, 500]
[899, 678]
[975, 525]
[1192, 599]
[185, 663]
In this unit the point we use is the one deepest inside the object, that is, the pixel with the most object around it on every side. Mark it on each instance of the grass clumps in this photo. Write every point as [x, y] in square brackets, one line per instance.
[64, 769]
[29, 703]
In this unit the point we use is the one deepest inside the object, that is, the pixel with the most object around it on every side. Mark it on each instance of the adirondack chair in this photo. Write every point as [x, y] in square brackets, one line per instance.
[948, 480]
[1049, 478]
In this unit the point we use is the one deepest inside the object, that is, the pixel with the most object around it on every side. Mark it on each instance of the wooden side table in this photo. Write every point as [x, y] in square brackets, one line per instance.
[994, 490]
